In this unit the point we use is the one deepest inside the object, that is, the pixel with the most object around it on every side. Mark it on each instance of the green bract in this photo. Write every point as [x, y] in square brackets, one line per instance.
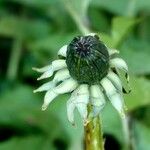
[87, 59]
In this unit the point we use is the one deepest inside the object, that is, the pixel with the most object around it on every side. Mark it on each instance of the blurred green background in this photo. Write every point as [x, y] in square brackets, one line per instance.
[31, 33]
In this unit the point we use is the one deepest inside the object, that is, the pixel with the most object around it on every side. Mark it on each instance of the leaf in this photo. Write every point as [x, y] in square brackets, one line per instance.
[107, 39]
[29, 142]
[139, 96]
[51, 44]
[21, 109]
[79, 7]
[37, 3]
[120, 28]
[123, 7]
[136, 53]
[141, 136]
[111, 123]
[13, 26]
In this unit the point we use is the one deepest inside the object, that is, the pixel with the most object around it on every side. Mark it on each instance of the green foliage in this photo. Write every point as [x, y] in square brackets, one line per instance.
[42, 27]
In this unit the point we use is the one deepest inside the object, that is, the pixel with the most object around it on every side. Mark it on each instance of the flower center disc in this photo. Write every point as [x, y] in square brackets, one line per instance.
[87, 59]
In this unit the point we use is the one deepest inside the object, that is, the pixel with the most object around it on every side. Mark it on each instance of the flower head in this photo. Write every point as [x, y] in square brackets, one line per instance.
[88, 70]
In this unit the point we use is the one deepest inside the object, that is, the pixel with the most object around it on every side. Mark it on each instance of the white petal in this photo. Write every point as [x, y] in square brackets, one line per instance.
[56, 65]
[45, 87]
[43, 69]
[59, 64]
[119, 63]
[91, 34]
[49, 96]
[82, 108]
[115, 80]
[114, 96]
[96, 110]
[97, 100]
[70, 111]
[66, 86]
[81, 94]
[61, 75]
[46, 74]
[79, 98]
[112, 51]
[117, 102]
[63, 51]
[97, 96]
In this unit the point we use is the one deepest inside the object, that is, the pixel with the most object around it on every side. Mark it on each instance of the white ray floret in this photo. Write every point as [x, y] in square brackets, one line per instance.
[97, 96]
[82, 94]
[63, 51]
[56, 65]
[96, 110]
[70, 110]
[119, 63]
[114, 96]
[49, 96]
[66, 86]
[45, 87]
[97, 99]
[79, 99]
[46, 74]
[43, 69]
[91, 34]
[61, 75]
[115, 80]
[112, 51]
[82, 108]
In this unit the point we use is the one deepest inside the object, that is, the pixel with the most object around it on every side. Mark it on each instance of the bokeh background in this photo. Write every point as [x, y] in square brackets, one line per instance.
[31, 33]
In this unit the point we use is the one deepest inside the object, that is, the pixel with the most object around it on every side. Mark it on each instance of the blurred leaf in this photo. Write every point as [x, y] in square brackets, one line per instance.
[141, 135]
[136, 52]
[142, 115]
[140, 95]
[37, 3]
[98, 20]
[107, 39]
[123, 7]
[120, 28]
[51, 44]
[30, 143]
[115, 6]
[20, 108]
[11, 26]
[112, 123]
[78, 6]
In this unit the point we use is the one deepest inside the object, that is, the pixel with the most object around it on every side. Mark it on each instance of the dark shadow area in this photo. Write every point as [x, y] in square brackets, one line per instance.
[111, 143]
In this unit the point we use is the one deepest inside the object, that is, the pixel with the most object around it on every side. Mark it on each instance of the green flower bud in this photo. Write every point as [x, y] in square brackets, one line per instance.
[87, 59]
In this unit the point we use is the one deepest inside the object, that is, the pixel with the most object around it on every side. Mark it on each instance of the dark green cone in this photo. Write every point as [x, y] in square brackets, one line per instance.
[87, 59]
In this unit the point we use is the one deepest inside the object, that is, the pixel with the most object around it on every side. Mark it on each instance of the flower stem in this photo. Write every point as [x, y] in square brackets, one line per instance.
[93, 135]
[14, 59]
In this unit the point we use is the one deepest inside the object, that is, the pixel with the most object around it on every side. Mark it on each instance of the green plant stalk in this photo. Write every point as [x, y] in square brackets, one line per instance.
[78, 20]
[93, 135]
[14, 59]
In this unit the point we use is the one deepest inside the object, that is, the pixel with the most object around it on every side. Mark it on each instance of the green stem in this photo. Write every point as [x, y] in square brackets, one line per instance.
[93, 135]
[78, 20]
[14, 59]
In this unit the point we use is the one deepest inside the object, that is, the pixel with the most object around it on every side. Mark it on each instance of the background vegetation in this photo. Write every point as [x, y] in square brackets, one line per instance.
[31, 32]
